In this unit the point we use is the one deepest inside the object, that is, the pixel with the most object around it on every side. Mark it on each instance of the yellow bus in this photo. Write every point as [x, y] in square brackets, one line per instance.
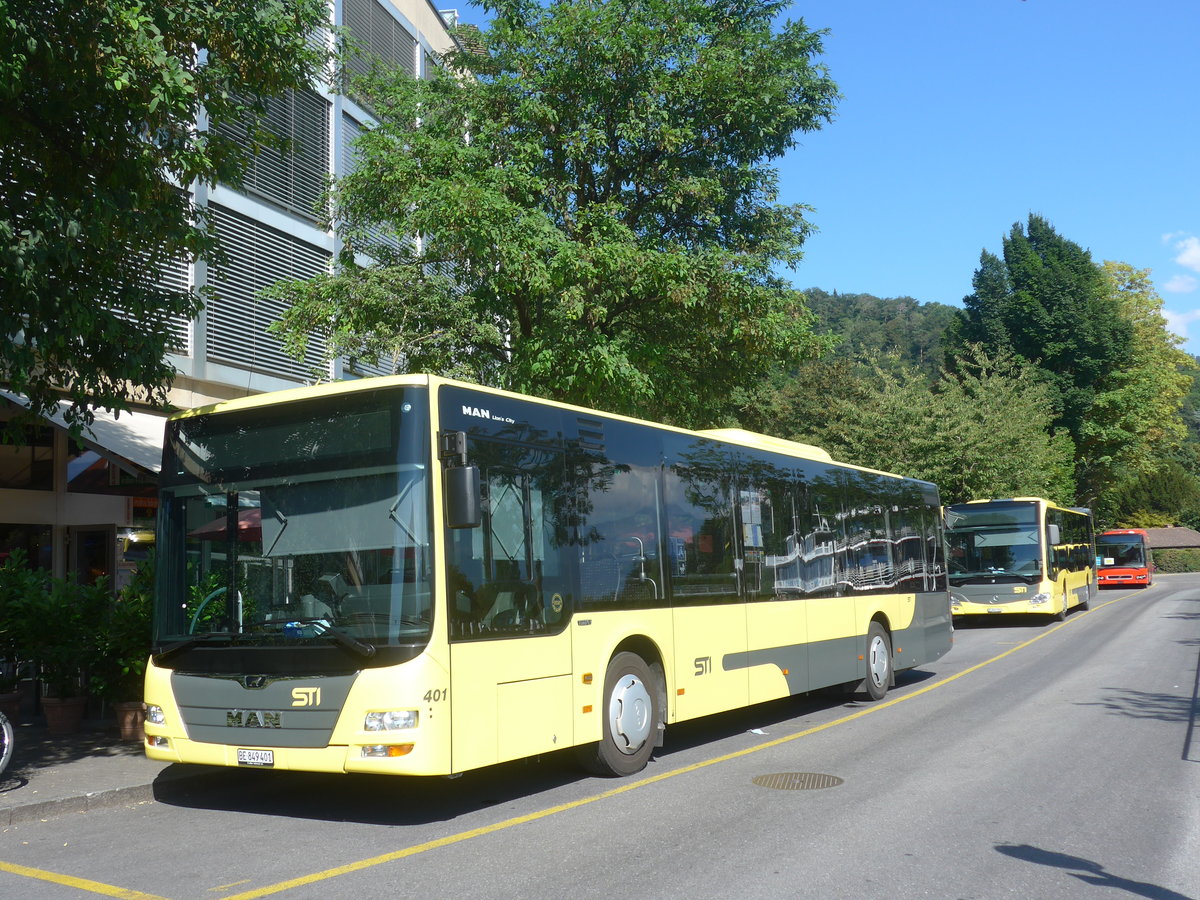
[1024, 555]
[417, 576]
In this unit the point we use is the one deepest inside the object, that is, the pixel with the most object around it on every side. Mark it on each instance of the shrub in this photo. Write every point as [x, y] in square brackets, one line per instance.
[1178, 560]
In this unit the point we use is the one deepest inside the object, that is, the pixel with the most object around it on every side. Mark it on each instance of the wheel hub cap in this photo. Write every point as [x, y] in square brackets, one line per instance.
[629, 714]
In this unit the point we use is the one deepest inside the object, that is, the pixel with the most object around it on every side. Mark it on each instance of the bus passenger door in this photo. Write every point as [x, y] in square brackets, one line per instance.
[776, 626]
[510, 652]
[706, 572]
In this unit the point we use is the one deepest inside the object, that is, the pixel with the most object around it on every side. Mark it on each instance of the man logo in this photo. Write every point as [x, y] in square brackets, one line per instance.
[253, 718]
[306, 696]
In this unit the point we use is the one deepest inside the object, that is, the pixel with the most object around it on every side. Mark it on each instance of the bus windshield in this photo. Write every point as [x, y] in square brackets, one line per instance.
[996, 542]
[1121, 550]
[306, 523]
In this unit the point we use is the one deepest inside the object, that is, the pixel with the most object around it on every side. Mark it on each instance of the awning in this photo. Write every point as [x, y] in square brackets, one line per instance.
[249, 527]
[134, 440]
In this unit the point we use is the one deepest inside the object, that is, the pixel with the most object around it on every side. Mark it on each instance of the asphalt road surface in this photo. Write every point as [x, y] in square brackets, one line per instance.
[1036, 760]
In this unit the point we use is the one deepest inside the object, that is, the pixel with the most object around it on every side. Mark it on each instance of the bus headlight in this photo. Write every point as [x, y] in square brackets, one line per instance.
[395, 720]
[1039, 599]
[154, 715]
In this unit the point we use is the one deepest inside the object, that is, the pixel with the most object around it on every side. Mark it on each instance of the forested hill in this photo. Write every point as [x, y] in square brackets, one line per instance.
[868, 324]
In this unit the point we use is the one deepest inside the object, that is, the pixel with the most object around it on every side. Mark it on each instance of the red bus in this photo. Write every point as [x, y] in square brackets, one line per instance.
[1125, 558]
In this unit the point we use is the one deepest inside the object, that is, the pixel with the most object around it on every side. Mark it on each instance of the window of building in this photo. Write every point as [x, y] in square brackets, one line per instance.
[90, 473]
[33, 542]
[257, 256]
[377, 36]
[31, 466]
[292, 176]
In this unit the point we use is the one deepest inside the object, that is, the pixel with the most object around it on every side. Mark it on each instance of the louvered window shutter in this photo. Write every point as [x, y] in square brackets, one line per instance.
[257, 256]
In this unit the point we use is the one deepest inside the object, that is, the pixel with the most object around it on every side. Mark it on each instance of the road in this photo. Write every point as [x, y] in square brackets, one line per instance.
[1036, 759]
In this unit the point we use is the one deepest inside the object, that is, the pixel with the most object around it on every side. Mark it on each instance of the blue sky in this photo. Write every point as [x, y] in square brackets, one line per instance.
[961, 117]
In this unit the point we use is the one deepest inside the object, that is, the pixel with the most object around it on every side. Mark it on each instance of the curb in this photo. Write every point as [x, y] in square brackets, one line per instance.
[47, 809]
[164, 785]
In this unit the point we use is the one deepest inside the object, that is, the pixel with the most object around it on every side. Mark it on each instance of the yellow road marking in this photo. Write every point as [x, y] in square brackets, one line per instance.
[83, 884]
[107, 890]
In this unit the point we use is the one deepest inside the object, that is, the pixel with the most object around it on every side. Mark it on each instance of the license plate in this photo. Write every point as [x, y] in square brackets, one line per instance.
[255, 757]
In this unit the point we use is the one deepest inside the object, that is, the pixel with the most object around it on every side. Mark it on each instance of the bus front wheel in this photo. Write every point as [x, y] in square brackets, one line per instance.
[879, 662]
[1062, 614]
[630, 719]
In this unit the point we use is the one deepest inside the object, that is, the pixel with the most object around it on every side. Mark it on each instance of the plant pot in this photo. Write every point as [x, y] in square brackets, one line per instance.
[64, 715]
[131, 719]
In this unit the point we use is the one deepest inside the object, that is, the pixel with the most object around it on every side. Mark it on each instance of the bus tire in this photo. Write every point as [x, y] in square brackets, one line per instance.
[630, 717]
[879, 662]
[1062, 614]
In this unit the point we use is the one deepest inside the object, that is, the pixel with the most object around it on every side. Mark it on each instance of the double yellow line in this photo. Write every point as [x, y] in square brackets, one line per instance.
[305, 880]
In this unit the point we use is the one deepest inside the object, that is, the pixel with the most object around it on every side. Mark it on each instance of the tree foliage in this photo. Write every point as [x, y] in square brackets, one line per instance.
[1048, 303]
[99, 104]
[586, 209]
[1167, 496]
[1135, 422]
[983, 429]
[894, 328]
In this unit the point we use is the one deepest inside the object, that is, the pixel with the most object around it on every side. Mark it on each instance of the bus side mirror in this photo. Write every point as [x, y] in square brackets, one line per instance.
[463, 506]
[1053, 535]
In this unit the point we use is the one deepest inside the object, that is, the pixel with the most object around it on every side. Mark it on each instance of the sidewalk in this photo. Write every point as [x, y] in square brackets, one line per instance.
[53, 775]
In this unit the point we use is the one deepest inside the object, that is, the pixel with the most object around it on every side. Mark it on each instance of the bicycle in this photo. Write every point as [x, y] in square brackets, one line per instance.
[6, 742]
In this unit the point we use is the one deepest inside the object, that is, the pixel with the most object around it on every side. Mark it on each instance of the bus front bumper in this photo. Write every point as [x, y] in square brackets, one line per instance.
[1040, 604]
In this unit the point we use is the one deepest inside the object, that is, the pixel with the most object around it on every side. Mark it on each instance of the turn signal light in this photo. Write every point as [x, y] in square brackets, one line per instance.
[383, 751]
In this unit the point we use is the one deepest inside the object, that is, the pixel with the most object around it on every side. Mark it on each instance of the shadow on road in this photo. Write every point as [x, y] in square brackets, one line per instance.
[1145, 705]
[1088, 871]
[404, 800]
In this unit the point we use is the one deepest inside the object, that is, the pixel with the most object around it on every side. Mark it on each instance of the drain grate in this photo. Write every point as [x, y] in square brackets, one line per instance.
[797, 781]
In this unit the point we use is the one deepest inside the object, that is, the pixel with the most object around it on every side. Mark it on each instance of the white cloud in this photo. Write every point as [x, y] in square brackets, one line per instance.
[1178, 322]
[1181, 284]
[1189, 252]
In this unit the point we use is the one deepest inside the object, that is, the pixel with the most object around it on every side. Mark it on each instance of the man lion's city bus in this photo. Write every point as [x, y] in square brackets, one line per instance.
[416, 576]
[1025, 555]
[1124, 558]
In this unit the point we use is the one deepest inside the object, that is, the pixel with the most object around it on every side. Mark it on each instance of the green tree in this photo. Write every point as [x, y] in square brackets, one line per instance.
[586, 208]
[983, 429]
[1135, 423]
[99, 104]
[894, 328]
[1170, 495]
[1048, 303]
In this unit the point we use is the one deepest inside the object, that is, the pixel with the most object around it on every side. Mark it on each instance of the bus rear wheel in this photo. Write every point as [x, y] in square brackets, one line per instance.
[630, 719]
[879, 662]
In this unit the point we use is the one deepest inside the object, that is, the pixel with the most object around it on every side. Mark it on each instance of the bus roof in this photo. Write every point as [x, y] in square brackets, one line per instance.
[326, 389]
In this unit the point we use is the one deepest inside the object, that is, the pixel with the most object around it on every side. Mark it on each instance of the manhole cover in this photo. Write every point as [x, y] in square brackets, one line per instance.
[797, 781]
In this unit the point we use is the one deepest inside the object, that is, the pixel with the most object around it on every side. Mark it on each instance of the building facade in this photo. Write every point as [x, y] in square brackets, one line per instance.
[89, 510]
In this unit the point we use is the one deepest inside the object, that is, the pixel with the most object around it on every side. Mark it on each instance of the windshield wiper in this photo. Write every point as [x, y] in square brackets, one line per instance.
[209, 637]
[362, 648]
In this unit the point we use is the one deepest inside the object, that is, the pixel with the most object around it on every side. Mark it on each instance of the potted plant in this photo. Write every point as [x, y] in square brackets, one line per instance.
[123, 647]
[13, 576]
[61, 620]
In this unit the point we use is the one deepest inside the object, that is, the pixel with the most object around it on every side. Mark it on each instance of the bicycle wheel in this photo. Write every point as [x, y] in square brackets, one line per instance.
[6, 742]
